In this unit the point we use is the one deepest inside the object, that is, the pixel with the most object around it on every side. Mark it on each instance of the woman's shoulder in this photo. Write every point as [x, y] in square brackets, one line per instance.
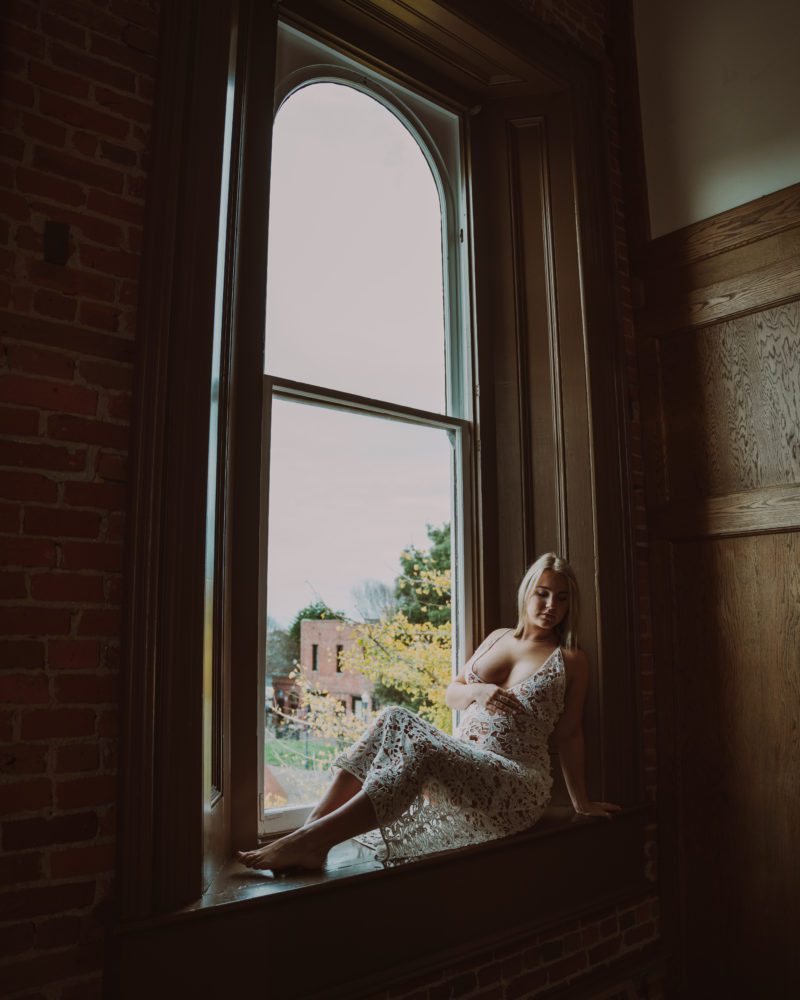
[576, 662]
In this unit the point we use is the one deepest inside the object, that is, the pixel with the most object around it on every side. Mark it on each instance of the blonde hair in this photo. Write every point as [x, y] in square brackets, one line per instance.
[567, 629]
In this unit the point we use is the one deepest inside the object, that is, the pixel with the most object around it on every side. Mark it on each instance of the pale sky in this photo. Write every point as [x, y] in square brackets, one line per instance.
[354, 302]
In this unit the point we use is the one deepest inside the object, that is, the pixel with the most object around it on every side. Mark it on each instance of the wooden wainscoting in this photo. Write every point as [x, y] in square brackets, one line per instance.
[719, 336]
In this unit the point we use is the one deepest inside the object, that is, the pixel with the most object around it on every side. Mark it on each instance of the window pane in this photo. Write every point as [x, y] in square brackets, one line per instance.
[359, 548]
[355, 290]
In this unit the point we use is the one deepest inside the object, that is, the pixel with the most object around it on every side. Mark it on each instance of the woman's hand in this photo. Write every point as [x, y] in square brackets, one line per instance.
[497, 700]
[605, 809]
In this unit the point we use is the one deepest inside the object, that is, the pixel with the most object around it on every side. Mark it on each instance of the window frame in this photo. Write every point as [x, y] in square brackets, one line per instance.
[162, 850]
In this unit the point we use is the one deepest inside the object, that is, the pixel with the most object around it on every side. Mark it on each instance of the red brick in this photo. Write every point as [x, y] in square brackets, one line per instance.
[113, 467]
[117, 208]
[58, 523]
[98, 230]
[27, 552]
[603, 952]
[77, 757]
[33, 622]
[21, 13]
[35, 361]
[16, 939]
[119, 406]
[100, 622]
[21, 654]
[104, 317]
[567, 967]
[55, 304]
[82, 116]
[59, 932]
[73, 654]
[52, 723]
[41, 331]
[72, 588]
[12, 148]
[18, 423]
[27, 238]
[9, 523]
[122, 104]
[73, 168]
[93, 69]
[64, 428]
[638, 934]
[42, 456]
[92, 860]
[93, 555]
[23, 758]
[125, 55]
[86, 989]
[45, 76]
[103, 496]
[25, 796]
[48, 395]
[16, 91]
[121, 155]
[115, 262]
[76, 792]
[52, 967]
[42, 184]
[56, 27]
[7, 721]
[34, 902]
[72, 280]
[16, 207]
[18, 868]
[26, 833]
[24, 689]
[83, 689]
[108, 723]
[138, 13]
[526, 984]
[115, 530]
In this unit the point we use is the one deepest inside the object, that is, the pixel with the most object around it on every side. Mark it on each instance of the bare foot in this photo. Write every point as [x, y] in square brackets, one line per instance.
[294, 852]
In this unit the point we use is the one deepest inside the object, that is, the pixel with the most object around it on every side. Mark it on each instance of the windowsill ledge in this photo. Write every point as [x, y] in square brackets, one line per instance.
[397, 921]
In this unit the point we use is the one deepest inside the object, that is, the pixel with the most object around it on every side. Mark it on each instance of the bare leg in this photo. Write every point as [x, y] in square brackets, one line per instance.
[308, 847]
[343, 787]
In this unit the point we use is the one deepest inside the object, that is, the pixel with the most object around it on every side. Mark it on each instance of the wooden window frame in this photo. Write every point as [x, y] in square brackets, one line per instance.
[557, 431]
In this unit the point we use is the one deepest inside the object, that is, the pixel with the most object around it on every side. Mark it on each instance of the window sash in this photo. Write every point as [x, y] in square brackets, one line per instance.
[276, 821]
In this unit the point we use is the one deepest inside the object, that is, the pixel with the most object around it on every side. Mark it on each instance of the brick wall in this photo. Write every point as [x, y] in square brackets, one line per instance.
[77, 100]
[77, 93]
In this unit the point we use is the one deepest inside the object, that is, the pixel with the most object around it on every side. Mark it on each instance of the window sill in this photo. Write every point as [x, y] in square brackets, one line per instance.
[356, 927]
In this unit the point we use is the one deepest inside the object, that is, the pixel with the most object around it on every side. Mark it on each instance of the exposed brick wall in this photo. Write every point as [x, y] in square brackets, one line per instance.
[556, 957]
[77, 99]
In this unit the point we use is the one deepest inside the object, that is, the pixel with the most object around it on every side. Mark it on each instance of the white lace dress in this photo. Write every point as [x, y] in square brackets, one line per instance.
[433, 792]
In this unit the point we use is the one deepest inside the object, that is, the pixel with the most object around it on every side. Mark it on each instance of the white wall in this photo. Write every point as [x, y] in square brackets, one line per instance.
[720, 95]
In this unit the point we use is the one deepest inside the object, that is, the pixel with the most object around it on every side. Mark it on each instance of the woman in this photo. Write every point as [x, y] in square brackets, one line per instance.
[427, 791]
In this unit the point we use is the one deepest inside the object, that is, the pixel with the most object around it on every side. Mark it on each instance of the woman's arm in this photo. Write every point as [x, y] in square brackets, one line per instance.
[569, 738]
[461, 693]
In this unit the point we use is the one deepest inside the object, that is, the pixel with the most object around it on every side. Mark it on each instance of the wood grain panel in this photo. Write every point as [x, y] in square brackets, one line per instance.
[736, 674]
[775, 508]
[731, 405]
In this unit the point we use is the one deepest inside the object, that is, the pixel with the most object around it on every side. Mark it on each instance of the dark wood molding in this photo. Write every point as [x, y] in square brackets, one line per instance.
[161, 828]
[755, 220]
[751, 512]
[525, 883]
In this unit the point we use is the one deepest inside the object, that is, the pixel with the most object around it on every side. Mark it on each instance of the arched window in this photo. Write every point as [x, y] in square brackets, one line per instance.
[367, 424]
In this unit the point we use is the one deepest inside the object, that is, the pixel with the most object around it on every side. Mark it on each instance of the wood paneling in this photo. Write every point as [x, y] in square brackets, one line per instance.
[736, 672]
[720, 347]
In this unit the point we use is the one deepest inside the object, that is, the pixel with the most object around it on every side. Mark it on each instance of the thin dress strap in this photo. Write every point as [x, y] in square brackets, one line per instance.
[485, 651]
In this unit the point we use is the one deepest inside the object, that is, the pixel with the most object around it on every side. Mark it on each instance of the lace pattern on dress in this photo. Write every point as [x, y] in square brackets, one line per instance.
[434, 792]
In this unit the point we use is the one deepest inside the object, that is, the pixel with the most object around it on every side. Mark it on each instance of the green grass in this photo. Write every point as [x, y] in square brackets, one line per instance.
[286, 752]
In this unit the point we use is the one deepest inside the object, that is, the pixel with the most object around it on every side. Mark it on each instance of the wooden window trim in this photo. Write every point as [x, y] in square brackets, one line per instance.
[162, 847]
